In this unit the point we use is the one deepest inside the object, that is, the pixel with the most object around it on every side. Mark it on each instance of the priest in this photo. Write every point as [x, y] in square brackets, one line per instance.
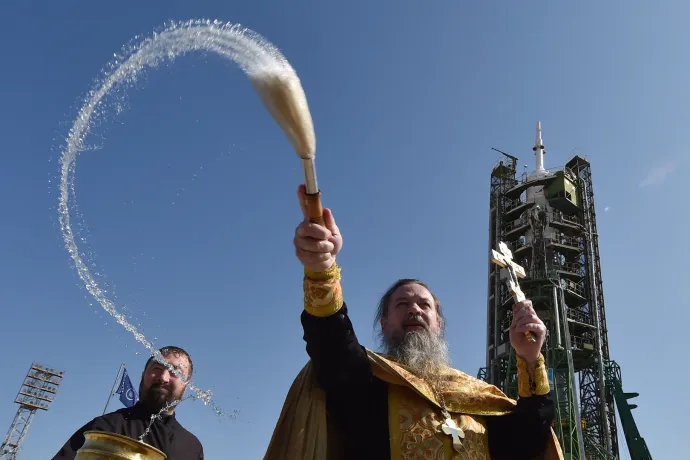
[406, 401]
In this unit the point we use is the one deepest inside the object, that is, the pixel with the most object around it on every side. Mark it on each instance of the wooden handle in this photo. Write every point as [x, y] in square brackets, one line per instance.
[314, 208]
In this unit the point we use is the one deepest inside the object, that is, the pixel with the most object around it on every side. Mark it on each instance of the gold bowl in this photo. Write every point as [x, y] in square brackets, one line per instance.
[109, 446]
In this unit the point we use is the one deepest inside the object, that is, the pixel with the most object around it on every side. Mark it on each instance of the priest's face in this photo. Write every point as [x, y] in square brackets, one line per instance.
[411, 309]
[159, 386]
[411, 332]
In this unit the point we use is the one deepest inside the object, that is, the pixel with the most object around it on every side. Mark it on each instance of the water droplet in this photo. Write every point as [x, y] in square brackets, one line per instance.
[225, 39]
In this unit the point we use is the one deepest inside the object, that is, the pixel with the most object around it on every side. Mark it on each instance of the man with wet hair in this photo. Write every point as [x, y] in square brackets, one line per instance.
[159, 392]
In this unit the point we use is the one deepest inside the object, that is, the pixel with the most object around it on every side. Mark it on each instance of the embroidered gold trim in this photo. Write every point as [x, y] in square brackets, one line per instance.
[329, 274]
[415, 430]
[528, 387]
[323, 295]
[462, 393]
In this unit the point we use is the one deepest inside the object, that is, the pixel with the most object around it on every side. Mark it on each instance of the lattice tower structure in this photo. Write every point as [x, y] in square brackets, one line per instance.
[36, 393]
[548, 219]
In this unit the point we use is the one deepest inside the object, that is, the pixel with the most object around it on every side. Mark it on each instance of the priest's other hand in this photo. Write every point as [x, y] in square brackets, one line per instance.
[315, 245]
[526, 319]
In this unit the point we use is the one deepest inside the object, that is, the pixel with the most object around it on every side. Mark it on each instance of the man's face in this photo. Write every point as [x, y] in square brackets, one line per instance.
[411, 332]
[159, 386]
[411, 309]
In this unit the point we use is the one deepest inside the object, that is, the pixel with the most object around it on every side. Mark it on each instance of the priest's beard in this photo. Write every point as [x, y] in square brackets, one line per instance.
[157, 396]
[425, 353]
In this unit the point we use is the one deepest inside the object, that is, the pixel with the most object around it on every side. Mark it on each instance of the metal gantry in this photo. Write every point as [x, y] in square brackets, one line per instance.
[548, 219]
[36, 393]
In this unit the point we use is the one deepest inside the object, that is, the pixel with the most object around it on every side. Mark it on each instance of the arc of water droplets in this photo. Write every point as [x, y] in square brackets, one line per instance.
[154, 417]
[254, 55]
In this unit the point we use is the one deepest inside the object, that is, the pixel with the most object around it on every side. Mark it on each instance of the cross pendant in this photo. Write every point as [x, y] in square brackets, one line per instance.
[449, 427]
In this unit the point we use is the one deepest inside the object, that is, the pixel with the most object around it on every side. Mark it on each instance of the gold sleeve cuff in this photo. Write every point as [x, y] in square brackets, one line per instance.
[527, 386]
[323, 295]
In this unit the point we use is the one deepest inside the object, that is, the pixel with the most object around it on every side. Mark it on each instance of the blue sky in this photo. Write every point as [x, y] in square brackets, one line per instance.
[189, 208]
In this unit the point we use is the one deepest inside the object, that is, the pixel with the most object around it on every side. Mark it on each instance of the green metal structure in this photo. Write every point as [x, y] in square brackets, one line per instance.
[636, 443]
[548, 220]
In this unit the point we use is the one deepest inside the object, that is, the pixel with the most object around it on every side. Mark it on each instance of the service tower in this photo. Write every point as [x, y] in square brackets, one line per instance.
[548, 220]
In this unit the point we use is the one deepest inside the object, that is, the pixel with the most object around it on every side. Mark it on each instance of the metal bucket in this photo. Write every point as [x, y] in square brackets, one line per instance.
[109, 446]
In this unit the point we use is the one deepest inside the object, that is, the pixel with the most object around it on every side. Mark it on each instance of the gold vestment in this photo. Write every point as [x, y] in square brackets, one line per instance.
[302, 431]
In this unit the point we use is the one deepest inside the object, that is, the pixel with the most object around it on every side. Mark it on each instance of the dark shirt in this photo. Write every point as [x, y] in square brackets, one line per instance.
[357, 401]
[166, 435]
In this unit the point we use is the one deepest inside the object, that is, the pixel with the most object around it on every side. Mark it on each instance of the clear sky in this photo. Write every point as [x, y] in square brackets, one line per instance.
[188, 199]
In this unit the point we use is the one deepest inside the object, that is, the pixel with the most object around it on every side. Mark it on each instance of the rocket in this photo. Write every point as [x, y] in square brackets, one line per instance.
[539, 150]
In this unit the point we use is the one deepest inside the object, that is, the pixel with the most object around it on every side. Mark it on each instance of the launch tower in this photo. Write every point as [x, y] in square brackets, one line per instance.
[36, 393]
[548, 220]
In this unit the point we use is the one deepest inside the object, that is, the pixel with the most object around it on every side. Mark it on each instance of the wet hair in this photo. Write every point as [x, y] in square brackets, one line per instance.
[382, 310]
[176, 351]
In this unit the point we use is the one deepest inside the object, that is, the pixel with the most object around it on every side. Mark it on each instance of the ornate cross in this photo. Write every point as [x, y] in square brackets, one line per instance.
[504, 258]
[451, 428]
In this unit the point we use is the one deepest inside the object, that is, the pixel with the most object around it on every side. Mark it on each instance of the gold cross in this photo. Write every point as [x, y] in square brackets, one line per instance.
[504, 259]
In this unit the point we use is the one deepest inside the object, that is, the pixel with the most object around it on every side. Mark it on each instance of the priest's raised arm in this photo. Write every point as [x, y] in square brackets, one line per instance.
[407, 399]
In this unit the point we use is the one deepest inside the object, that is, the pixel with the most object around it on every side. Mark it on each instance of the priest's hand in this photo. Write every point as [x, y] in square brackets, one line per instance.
[526, 319]
[315, 245]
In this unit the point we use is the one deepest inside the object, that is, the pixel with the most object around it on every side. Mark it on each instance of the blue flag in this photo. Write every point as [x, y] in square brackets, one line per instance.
[128, 395]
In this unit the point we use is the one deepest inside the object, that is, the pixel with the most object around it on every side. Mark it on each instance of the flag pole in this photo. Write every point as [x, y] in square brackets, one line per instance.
[113, 389]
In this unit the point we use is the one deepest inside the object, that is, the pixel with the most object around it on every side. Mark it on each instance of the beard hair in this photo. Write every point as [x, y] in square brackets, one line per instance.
[425, 353]
[157, 400]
